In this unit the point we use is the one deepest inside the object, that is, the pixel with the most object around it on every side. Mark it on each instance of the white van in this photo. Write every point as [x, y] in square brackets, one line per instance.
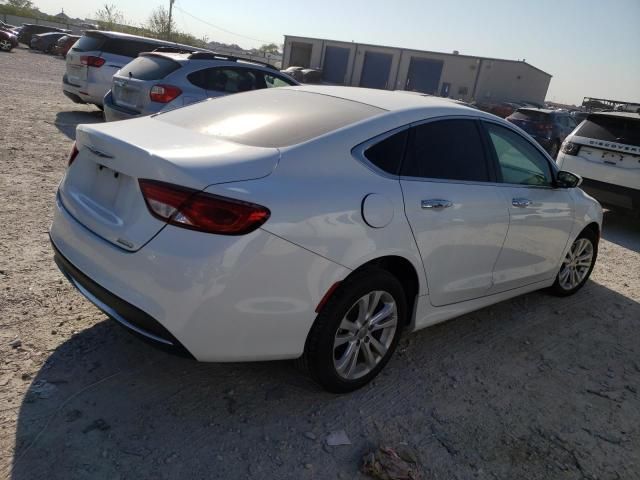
[97, 55]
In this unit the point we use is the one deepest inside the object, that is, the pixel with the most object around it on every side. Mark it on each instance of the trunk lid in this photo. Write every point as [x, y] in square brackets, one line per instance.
[101, 191]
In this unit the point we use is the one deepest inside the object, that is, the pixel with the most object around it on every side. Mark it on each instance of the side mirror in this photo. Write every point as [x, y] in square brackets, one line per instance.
[566, 179]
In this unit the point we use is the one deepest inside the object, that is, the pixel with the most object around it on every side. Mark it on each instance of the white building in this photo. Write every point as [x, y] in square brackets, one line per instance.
[452, 75]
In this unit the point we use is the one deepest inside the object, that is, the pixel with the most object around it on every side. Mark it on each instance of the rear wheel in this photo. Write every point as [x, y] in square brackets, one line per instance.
[356, 332]
[577, 264]
[5, 45]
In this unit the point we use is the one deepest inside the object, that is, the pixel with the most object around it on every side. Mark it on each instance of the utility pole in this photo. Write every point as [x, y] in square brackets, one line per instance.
[169, 26]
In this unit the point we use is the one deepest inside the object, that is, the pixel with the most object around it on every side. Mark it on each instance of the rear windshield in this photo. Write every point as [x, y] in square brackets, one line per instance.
[272, 117]
[611, 129]
[88, 43]
[149, 67]
[530, 115]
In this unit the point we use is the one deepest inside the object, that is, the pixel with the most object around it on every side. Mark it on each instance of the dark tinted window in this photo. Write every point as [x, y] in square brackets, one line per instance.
[520, 162]
[447, 149]
[611, 129]
[88, 43]
[228, 80]
[127, 47]
[271, 81]
[150, 67]
[530, 115]
[387, 154]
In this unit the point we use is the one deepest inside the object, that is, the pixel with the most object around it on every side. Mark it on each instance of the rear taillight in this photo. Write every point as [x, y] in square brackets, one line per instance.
[570, 148]
[196, 210]
[73, 154]
[91, 61]
[164, 93]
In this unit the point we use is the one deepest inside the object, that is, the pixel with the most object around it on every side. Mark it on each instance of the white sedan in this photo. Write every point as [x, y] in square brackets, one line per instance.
[316, 223]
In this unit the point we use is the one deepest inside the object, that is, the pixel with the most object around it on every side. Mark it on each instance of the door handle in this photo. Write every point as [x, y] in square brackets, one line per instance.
[435, 204]
[521, 202]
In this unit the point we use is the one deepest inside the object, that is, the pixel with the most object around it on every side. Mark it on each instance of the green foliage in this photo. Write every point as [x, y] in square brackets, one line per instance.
[269, 48]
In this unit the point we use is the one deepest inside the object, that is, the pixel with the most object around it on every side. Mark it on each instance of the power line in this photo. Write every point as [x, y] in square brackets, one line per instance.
[220, 28]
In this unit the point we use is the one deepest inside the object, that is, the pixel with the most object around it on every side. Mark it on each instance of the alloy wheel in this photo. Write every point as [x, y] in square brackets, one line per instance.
[365, 334]
[576, 264]
[5, 45]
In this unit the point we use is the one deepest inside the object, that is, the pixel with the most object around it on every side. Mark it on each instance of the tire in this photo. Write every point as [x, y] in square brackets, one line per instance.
[564, 286]
[554, 149]
[358, 348]
[6, 46]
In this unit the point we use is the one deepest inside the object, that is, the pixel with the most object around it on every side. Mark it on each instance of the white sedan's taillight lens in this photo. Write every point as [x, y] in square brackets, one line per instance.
[73, 154]
[195, 210]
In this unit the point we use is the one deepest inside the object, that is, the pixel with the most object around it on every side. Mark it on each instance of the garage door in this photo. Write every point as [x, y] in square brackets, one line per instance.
[375, 71]
[335, 64]
[424, 75]
[300, 55]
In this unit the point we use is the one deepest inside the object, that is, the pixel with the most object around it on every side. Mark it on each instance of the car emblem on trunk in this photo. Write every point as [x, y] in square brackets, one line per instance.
[97, 152]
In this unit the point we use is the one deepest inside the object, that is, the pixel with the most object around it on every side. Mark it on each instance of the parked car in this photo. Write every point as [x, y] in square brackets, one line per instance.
[45, 41]
[605, 151]
[159, 81]
[500, 109]
[8, 41]
[548, 127]
[92, 61]
[579, 116]
[305, 222]
[294, 72]
[64, 43]
[28, 30]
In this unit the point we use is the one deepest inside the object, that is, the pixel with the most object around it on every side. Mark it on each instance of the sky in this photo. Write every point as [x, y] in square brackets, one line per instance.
[591, 47]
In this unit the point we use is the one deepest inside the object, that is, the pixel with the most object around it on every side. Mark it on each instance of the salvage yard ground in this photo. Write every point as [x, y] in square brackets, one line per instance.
[534, 388]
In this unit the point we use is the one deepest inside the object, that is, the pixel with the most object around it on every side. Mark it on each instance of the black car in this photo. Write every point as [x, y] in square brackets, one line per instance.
[45, 41]
[548, 127]
[29, 30]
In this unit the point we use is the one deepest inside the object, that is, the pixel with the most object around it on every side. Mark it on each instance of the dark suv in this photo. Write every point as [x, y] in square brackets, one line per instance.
[29, 30]
[548, 127]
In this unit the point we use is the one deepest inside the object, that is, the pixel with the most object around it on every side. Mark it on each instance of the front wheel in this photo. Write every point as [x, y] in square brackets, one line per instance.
[577, 264]
[356, 332]
[5, 45]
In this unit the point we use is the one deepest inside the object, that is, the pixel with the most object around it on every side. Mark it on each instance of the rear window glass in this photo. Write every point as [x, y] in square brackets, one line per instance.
[149, 67]
[88, 43]
[611, 129]
[270, 117]
[530, 115]
[128, 47]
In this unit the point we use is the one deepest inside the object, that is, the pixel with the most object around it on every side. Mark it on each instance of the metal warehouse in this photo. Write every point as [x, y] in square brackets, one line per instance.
[464, 77]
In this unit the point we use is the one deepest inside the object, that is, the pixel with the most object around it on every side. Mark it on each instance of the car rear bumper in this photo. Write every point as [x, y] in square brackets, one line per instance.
[113, 112]
[220, 298]
[612, 195]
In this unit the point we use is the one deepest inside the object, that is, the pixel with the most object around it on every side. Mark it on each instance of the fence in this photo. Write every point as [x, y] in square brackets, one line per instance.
[18, 21]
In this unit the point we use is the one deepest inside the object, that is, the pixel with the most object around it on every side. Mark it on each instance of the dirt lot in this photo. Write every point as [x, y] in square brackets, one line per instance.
[534, 388]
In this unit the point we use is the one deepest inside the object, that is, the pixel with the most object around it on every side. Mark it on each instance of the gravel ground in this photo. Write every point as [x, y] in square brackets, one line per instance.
[534, 388]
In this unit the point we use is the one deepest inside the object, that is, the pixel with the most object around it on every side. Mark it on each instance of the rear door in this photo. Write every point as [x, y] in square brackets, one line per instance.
[540, 216]
[458, 216]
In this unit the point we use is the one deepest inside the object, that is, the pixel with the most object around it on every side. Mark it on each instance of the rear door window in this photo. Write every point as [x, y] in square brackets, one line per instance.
[447, 149]
[611, 129]
[272, 81]
[224, 79]
[387, 154]
[150, 67]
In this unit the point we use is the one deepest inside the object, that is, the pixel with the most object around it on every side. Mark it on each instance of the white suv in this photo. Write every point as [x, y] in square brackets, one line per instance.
[605, 151]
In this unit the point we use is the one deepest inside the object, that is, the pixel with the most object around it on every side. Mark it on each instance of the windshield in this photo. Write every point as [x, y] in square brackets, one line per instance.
[272, 117]
[612, 129]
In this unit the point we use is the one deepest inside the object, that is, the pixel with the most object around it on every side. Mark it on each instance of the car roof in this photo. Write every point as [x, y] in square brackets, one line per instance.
[385, 99]
[539, 110]
[631, 115]
[127, 36]
[193, 56]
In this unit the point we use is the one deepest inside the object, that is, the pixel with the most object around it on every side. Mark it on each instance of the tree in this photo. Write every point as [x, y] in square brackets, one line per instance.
[158, 22]
[26, 4]
[109, 15]
[269, 48]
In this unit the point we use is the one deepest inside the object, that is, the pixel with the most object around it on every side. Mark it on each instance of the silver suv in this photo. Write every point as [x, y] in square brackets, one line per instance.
[96, 56]
[165, 79]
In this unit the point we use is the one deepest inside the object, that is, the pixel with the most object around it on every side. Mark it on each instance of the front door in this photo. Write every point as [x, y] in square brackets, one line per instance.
[541, 216]
[458, 218]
